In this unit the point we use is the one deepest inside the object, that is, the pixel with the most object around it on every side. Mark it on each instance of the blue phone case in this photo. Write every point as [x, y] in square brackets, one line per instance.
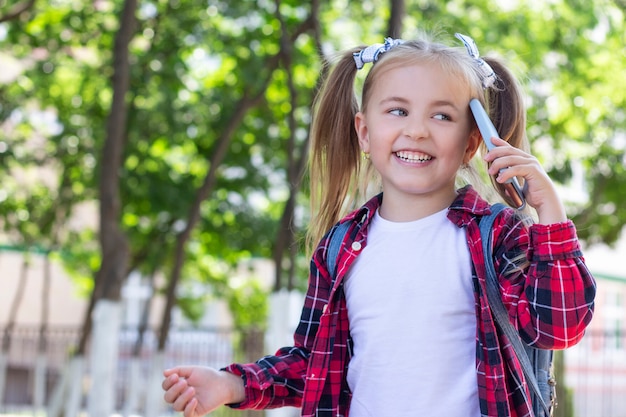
[487, 131]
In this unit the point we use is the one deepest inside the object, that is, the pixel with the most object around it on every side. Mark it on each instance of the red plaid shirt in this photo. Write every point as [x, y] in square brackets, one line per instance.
[550, 302]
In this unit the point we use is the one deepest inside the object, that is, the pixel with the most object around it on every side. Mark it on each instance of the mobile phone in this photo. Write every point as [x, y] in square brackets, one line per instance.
[488, 130]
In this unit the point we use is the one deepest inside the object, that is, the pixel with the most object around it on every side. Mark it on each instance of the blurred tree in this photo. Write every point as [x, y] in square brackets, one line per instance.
[215, 120]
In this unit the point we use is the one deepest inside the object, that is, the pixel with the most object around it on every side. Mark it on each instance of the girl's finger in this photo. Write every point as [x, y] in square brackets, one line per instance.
[190, 410]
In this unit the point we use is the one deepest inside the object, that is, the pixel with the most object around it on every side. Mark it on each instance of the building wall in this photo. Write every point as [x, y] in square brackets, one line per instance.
[66, 306]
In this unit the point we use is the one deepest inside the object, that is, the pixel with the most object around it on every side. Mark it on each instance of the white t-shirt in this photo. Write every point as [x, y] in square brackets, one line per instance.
[412, 318]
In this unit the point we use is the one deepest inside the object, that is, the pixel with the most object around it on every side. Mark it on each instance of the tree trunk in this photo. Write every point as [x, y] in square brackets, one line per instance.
[398, 11]
[154, 395]
[113, 241]
[250, 99]
[39, 383]
[39, 394]
[4, 363]
[253, 346]
[137, 388]
[104, 355]
[8, 330]
[245, 104]
[67, 396]
[284, 244]
[75, 387]
[17, 11]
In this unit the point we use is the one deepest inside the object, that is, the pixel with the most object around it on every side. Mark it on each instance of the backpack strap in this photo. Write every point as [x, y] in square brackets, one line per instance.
[334, 245]
[499, 311]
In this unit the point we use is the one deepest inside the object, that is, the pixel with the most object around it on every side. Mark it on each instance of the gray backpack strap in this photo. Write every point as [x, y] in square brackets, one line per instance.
[502, 317]
[334, 245]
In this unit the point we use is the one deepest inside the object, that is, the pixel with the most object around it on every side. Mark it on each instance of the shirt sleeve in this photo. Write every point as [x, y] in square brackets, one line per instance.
[278, 380]
[546, 286]
[273, 381]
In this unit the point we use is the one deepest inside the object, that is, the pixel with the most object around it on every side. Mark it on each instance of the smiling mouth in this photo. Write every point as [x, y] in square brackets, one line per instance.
[413, 156]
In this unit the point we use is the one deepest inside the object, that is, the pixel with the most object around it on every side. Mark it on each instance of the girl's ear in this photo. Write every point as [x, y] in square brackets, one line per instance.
[473, 144]
[361, 130]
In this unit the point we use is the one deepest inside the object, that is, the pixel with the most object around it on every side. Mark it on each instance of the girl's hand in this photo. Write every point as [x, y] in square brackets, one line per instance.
[196, 390]
[539, 190]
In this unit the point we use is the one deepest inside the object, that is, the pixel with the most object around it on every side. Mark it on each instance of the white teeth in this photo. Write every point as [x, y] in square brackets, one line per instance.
[413, 156]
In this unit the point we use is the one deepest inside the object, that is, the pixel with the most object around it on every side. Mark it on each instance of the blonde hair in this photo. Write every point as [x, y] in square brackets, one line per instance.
[338, 175]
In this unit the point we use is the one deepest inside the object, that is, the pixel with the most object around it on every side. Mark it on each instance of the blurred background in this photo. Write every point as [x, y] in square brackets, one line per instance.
[153, 195]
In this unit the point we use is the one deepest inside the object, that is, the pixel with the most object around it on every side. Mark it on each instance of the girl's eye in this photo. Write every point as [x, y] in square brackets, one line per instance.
[442, 116]
[398, 112]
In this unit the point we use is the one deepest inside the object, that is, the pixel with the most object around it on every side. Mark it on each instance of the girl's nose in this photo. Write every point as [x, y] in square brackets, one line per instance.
[415, 129]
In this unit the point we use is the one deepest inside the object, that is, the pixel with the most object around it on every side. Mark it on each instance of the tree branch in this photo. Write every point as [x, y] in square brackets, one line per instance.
[17, 11]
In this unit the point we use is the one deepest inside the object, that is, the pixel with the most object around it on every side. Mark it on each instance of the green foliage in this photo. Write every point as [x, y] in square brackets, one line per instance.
[191, 307]
[250, 306]
[195, 63]
[80, 258]
[567, 54]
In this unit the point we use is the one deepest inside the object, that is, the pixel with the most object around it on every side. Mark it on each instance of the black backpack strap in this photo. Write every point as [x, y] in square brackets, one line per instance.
[499, 311]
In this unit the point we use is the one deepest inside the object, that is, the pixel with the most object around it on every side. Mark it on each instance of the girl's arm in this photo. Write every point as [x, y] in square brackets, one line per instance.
[273, 381]
[198, 390]
[278, 380]
[551, 297]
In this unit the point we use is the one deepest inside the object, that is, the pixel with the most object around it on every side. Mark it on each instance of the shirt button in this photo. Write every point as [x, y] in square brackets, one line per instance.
[356, 246]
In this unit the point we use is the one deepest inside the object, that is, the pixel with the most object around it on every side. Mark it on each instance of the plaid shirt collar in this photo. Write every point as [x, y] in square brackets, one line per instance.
[467, 205]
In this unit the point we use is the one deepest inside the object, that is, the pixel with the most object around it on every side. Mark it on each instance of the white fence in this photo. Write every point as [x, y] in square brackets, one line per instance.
[595, 369]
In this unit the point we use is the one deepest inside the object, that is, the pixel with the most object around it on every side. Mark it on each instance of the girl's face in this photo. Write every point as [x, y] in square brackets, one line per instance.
[416, 128]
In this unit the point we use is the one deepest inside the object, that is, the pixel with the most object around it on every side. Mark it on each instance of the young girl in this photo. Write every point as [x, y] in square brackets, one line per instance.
[404, 328]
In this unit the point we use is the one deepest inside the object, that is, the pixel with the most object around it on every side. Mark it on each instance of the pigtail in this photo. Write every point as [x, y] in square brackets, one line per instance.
[506, 109]
[334, 161]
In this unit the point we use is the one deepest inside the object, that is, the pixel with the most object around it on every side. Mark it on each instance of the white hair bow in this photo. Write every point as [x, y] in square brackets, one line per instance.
[487, 75]
[372, 52]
